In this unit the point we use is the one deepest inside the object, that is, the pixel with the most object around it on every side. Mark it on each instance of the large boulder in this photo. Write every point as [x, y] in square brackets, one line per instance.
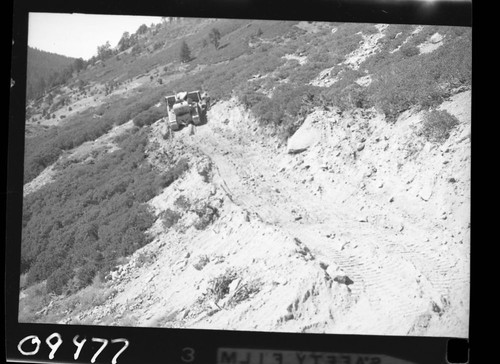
[305, 137]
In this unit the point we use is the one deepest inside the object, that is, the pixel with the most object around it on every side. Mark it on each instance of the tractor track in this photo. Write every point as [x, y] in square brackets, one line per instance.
[386, 267]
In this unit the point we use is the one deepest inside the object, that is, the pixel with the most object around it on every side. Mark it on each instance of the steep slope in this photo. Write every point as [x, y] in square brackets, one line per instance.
[313, 242]
[42, 68]
[356, 225]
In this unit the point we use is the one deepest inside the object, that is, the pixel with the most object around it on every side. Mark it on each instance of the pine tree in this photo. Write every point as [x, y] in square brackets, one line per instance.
[185, 52]
[214, 37]
[142, 29]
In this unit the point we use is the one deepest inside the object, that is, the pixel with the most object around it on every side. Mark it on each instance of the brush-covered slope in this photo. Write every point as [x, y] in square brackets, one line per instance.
[44, 68]
[328, 192]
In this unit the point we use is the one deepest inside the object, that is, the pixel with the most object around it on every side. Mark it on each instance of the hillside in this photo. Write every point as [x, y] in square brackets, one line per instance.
[328, 192]
[42, 69]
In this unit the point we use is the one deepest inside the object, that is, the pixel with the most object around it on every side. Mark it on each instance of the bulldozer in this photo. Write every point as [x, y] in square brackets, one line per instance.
[186, 108]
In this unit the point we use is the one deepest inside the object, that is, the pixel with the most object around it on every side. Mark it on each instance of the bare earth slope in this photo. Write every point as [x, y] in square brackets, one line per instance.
[398, 229]
[364, 232]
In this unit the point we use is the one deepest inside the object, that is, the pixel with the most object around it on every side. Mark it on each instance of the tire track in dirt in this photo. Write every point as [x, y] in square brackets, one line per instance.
[388, 279]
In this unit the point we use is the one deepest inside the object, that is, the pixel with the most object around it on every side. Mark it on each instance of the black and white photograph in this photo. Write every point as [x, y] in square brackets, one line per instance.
[250, 175]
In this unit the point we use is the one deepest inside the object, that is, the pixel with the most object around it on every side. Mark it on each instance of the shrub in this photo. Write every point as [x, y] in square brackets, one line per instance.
[214, 36]
[144, 258]
[219, 286]
[36, 299]
[57, 280]
[251, 98]
[157, 45]
[185, 53]
[169, 218]
[201, 262]
[86, 275]
[345, 94]
[405, 88]
[437, 125]
[410, 50]
[206, 215]
[149, 116]
[136, 49]
[245, 291]
[182, 202]
[92, 296]
[175, 172]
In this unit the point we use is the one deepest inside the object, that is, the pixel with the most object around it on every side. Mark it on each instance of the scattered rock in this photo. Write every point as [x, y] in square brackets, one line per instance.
[233, 286]
[360, 147]
[436, 308]
[343, 280]
[247, 216]
[371, 171]
[282, 281]
[288, 317]
[204, 167]
[201, 262]
[425, 193]
[305, 137]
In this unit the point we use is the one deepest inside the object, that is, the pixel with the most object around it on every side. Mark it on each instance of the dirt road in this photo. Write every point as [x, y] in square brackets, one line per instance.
[402, 280]
[323, 241]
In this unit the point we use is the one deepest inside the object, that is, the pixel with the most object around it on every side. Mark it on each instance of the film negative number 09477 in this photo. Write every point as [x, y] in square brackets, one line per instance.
[54, 341]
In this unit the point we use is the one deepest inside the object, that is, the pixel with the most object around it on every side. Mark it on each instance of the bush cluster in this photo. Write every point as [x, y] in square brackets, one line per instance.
[169, 218]
[206, 215]
[219, 286]
[149, 116]
[285, 110]
[145, 258]
[91, 216]
[44, 149]
[404, 81]
[437, 125]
